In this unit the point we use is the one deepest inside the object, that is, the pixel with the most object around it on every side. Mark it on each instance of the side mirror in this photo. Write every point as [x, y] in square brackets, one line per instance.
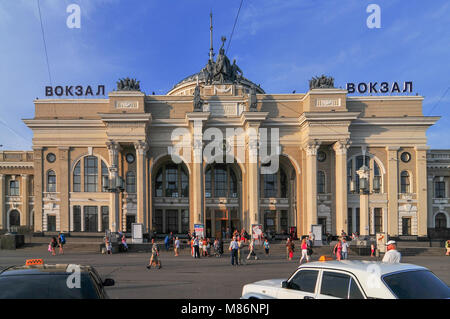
[285, 284]
[108, 282]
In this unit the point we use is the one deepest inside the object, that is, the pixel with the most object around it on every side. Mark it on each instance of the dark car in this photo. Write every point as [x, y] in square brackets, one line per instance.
[37, 280]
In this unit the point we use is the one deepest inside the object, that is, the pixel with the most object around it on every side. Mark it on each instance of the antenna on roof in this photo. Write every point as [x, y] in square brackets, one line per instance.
[211, 50]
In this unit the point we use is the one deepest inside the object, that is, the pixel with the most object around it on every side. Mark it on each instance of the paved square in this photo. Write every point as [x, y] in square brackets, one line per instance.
[184, 277]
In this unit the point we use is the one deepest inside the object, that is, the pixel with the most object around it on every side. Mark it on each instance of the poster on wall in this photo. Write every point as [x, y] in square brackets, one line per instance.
[137, 233]
[317, 232]
[257, 233]
[381, 242]
[199, 230]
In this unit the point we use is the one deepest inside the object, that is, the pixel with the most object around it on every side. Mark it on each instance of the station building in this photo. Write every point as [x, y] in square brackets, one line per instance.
[352, 163]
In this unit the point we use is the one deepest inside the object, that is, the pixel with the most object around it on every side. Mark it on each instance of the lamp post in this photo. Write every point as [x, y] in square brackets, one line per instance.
[114, 184]
[364, 191]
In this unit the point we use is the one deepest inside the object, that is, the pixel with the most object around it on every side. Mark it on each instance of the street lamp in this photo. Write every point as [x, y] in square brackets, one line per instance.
[115, 185]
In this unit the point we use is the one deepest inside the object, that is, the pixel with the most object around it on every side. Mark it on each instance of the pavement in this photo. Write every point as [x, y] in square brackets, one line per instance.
[184, 277]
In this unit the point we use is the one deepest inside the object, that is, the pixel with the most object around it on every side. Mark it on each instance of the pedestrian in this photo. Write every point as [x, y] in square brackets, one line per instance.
[266, 247]
[288, 244]
[291, 249]
[344, 249]
[216, 248]
[304, 247]
[208, 247]
[312, 237]
[176, 246]
[196, 247]
[234, 248]
[108, 246]
[205, 247]
[61, 242]
[338, 250]
[220, 247]
[392, 256]
[167, 242]
[251, 248]
[241, 252]
[447, 247]
[52, 246]
[124, 243]
[200, 246]
[372, 250]
[154, 259]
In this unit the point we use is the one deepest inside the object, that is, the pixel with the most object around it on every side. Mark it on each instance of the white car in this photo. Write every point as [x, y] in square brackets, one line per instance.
[351, 280]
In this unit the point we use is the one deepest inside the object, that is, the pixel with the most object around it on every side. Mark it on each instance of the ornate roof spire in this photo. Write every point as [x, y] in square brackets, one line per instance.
[211, 50]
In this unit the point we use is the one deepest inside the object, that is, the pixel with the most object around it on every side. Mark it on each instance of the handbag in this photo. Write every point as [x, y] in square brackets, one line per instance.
[49, 247]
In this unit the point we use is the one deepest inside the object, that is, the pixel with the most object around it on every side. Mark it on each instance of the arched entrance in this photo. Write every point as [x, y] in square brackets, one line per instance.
[223, 184]
[170, 197]
[277, 198]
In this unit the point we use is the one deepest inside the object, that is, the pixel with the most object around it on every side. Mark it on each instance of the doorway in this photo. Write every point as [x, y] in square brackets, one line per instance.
[51, 223]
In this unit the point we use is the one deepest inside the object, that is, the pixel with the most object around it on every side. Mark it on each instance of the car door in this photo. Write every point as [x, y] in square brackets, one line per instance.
[338, 285]
[302, 285]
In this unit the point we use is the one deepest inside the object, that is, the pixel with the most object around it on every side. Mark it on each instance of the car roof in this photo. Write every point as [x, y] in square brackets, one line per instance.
[45, 269]
[361, 266]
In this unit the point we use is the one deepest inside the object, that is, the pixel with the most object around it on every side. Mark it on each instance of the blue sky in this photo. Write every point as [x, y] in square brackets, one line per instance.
[279, 44]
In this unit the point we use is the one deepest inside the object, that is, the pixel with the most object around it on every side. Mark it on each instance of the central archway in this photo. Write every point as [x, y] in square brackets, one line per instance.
[223, 205]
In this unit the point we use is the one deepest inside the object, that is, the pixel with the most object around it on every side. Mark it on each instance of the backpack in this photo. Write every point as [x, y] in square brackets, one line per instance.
[63, 239]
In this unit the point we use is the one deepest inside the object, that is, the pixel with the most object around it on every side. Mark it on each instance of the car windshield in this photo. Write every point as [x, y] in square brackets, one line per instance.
[421, 284]
[46, 286]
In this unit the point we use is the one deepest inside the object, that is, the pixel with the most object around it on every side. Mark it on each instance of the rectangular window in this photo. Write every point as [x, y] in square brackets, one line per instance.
[90, 174]
[378, 216]
[184, 221]
[284, 221]
[270, 221]
[172, 221]
[76, 218]
[220, 182]
[105, 177]
[14, 189]
[270, 183]
[358, 221]
[158, 221]
[439, 189]
[90, 219]
[349, 220]
[406, 226]
[105, 218]
[171, 181]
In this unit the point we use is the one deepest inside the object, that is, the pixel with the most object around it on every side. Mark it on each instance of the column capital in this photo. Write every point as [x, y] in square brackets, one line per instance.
[141, 147]
[112, 145]
[311, 147]
[341, 147]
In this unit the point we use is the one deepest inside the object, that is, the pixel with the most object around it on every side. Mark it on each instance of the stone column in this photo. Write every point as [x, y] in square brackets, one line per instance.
[63, 189]
[2, 202]
[391, 187]
[252, 175]
[25, 220]
[311, 184]
[113, 149]
[421, 187]
[340, 149]
[430, 194]
[141, 151]
[38, 188]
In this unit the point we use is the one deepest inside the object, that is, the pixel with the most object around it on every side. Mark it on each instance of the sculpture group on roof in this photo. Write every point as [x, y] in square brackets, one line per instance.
[128, 84]
[222, 71]
[322, 82]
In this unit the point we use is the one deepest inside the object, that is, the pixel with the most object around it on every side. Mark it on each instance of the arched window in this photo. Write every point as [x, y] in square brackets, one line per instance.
[51, 181]
[440, 221]
[131, 182]
[275, 185]
[77, 177]
[354, 164]
[208, 185]
[105, 177]
[405, 183]
[320, 182]
[220, 181]
[14, 218]
[171, 180]
[90, 174]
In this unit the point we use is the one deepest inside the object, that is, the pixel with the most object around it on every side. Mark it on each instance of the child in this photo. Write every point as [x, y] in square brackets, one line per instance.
[266, 247]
